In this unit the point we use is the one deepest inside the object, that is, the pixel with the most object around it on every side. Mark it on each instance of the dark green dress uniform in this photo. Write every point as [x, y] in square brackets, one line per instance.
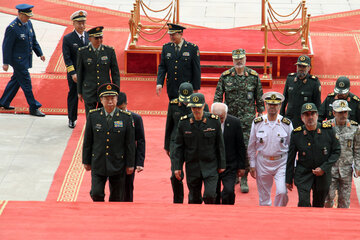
[109, 147]
[296, 93]
[200, 145]
[318, 148]
[176, 109]
[325, 110]
[179, 67]
[93, 70]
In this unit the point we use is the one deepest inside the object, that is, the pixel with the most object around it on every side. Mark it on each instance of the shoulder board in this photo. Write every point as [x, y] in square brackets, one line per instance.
[82, 48]
[258, 119]
[227, 72]
[174, 101]
[292, 74]
[125, 112]
[331, 94]
[313, 77]
[167, 43]
[94, 110]
[107, 46]
[298, 129]
[184, 117]
[326, 125]
[286, 120]
[352, 122]
[356, 98]
[214, 116]
[253, 72]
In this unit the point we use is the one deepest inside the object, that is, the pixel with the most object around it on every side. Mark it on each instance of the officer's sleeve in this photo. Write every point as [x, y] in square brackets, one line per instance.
[286, 99]
[260, 107]
[196, 71]
[356, 149]
[241, 149]
[168, 128]
[88, 142]
[66, 45]
[140, 141]
[130, 143]
[322, 111]
[251, 151]
[290, 164]
[219, 92]
[115, 73]
[177, 157]
[334, 154]
[79, 71]
[8, 43]
[36, 45]
[317, 94]
[162, 69]
[220, 150]
[358, 112]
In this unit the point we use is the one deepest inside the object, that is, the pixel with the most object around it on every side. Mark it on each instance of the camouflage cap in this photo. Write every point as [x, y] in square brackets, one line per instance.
[197, 100]
[273, 98]
[342, 85]
[185, 90]
[303, 61]
[341, 106]
[308, 107]
[238, 53]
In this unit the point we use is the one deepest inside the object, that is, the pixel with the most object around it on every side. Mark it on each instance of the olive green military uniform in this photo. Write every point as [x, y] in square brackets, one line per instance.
[296, 93]
[326, 110]
[200, 145]
[93, 69]
[109, 147]
[318, 148]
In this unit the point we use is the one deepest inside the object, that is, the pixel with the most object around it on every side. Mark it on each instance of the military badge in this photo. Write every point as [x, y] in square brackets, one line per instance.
[342, 84]
[303, 153]
[195, 99]
[198, 53]
[75, 45]
[104, 58]
[89, 60]
[187, 132]
[168, 54]
[22, 35]
[308, 106]
[250, 95]
[302, 58]
[349, 143]
[108, 87]
[209, 130]
[261, 140]
[325, 151]
[98, 126]
[186, 54]
[118, 124]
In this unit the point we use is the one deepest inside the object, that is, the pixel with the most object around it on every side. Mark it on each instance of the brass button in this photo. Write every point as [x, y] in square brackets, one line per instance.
[176, 61]
[175, 72]
[175, 67]
[97, 71]
[98, 77]
[107, 133]
[175, 78]
[107, 140]
[107, 147]
[98, 83]
[309, 144]
[107, 154]
[97, 65]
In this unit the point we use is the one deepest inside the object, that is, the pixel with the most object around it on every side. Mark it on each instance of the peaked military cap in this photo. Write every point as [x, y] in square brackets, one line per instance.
[185, 90]
[238, 53]
[273, 98]
[308, 107]
[108, 89]
[25, 9]
[197, 100]
[303, 61]
[96, 31]
[341, 106]
[79, 15]
[174, 28]
[342, 85]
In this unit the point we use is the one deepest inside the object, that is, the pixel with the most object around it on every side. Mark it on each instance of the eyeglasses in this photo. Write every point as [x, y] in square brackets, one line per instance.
[98, 37]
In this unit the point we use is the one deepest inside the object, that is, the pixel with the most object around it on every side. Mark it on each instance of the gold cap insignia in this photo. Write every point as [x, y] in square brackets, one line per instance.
[97, 29]
[302, 58]
[273, 97]
[308, 106]
[342, 104]
[195, 99]
[81, 13]
[108, 87]
[185, 92]
[170, 26]
[341, 84]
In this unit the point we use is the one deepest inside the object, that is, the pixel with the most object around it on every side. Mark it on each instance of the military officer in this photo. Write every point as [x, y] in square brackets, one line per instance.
[71, 43]
[341, 91]
[176, 109]
[300, 88]
[109, 146]
[94, 64]
[180, 62]
[267, 151]
[349, 136]
[18, 45]
[318, 149]
[243, 96]
[200, 144]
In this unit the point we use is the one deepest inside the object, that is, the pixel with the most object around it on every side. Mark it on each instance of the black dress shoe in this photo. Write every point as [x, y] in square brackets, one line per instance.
[72, 124]
[7, 108]
[37, 113]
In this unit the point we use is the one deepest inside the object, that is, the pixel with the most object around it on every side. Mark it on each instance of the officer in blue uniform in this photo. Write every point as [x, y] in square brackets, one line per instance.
[19, 43]
[71, 43]
[180, 62]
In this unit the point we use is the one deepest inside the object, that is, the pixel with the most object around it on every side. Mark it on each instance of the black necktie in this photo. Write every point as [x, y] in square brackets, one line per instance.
[82, 39]
[108, 119]
[177, 50]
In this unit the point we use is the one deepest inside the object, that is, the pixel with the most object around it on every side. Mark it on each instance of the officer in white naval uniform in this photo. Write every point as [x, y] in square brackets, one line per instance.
[267, 151]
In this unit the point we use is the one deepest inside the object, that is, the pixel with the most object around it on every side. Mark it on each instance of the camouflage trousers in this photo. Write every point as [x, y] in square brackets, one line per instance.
[343, 187]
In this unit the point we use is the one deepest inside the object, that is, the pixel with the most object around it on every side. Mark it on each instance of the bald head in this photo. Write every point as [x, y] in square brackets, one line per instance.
[220, 109]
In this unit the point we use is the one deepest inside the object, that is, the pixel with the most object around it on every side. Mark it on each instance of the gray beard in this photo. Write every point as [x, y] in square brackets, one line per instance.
[300, 75]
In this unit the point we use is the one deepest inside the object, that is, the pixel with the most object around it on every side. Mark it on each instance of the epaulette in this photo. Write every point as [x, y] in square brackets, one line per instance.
[81, 48]
[107, 46]
[253, 72]
[174, 101]
[298, 129]
[326, 125]
[258, 119]
[227, 72]
[214, 116]
[167, 43]
[125, 112]
[356, 98]
[184, 117]
[286, 120]
[314, 77]
[94, 110]
[352, 122]
[292, 74]
[331, 94]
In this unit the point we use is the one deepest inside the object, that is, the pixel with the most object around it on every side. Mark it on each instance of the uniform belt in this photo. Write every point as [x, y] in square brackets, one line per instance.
[273, 157]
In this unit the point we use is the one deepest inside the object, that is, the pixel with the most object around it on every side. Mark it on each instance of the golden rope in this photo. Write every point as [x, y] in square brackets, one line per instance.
[283, 15]
[157, 31]
[286, 44]
[155, 20]
[142, 3]
[285, 22]
[152, 40]
[283, 33]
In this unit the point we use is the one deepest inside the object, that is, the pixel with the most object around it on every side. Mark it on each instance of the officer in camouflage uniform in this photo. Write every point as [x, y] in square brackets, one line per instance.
[349, 136]
[341, 91]
[243, 95]
[200, 144]
[317, 149]
[300, 88]
[177, 108]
